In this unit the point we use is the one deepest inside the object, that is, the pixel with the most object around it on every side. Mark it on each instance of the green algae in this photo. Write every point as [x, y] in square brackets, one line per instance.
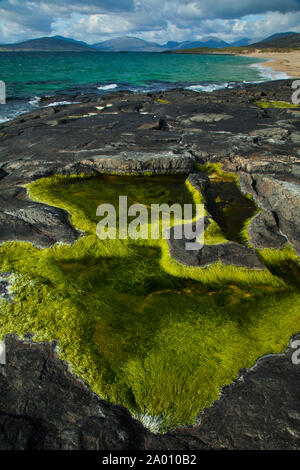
[216, 172]
[275, 104]
[229, 208]
[141, 329]
[231, 211]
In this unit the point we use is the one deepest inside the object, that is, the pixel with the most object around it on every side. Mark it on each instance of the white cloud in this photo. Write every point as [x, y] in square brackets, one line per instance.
[155, 20]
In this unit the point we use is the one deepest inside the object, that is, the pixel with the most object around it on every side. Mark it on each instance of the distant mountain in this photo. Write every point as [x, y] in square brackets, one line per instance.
[241, 42]
[122, 44]
[47, 44]
[171, 45]
[283, 40]
[72, 40]
[132, 44]
[205, 42]
[128, 44]
[278, 36]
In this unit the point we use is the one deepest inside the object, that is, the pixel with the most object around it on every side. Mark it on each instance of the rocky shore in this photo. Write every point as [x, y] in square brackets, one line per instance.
[163, 132]
[42, 406]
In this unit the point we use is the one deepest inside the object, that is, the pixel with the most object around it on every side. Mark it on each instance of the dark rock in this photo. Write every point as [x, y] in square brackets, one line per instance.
[141, 162]
[228, 254]
[276, 134]
[260, 411]
[4, 286]
[295, 137]
[44, 407]
[264, 232]
[280, 197]
[24, 220]
[199, 181]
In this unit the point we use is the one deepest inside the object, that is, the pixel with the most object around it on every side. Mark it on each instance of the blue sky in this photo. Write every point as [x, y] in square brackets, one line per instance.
[153, 20]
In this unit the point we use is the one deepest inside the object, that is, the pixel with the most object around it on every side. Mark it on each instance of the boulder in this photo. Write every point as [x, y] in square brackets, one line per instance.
[264, 232]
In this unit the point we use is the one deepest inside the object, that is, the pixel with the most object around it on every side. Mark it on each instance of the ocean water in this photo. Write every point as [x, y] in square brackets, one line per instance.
[31, 75]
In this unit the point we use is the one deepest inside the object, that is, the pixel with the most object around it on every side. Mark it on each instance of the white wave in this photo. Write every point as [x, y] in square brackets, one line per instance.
[12, 115]
[267, 73]
[112, 86]
[5, 119]
[60, 103]
[141, 90]
[34, 101]
[208, 88]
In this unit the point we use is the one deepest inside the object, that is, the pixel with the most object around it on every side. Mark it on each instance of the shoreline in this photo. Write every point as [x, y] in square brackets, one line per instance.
[286, 62]
[276, 67]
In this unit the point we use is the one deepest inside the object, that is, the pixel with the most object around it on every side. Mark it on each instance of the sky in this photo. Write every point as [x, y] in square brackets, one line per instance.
[152, 20]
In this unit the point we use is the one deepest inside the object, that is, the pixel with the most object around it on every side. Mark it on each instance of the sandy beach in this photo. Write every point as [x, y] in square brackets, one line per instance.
[288, 62]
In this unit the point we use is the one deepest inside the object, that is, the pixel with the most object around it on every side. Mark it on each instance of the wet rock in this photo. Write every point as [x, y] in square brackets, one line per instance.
[264, 232]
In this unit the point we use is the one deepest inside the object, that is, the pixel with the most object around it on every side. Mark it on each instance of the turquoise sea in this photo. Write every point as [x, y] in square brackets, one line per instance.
[30, 75]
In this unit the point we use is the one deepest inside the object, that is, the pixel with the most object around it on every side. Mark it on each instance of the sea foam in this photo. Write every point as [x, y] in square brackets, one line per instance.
[112, 86]
[209, 87]
[267, 73]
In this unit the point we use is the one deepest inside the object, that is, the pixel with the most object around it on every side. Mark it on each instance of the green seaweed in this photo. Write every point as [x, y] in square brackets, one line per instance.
[142, 330]
[229, 208]
[237, 209]
[275, 104]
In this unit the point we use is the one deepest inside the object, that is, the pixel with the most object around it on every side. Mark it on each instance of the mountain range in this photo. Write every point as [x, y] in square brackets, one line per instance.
[281, 40]
[48, 44]
[131, 44]
[122, 44]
